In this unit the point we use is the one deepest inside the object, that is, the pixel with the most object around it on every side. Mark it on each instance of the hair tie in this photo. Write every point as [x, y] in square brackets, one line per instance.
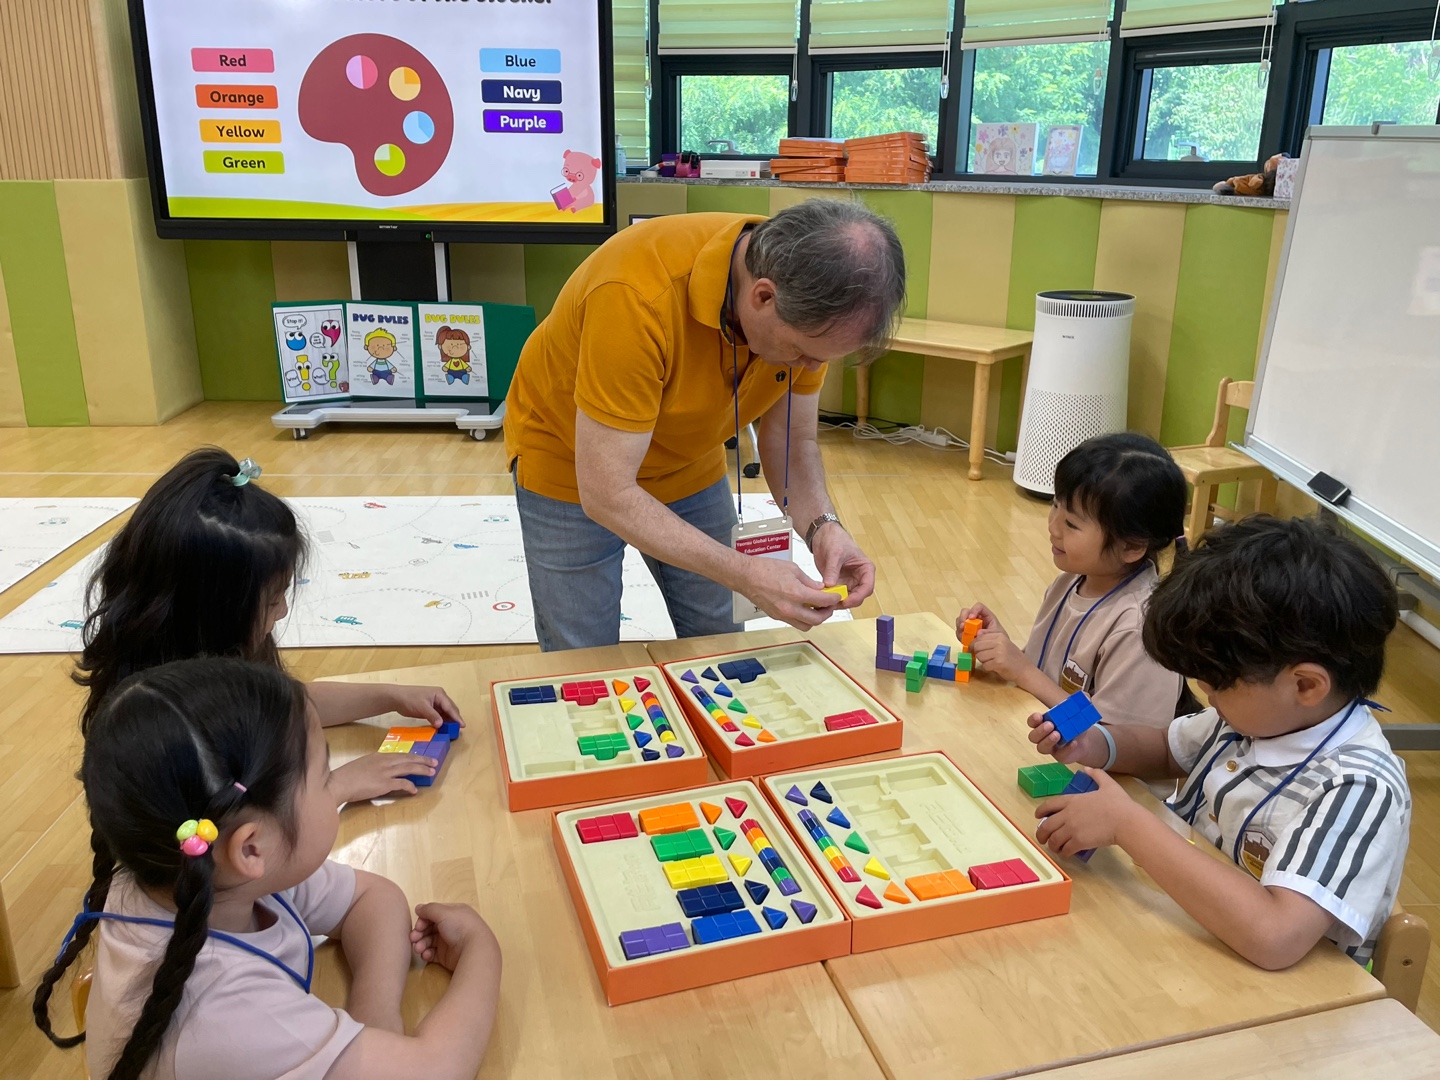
[242, 787]
[196, 836]
[248, 471]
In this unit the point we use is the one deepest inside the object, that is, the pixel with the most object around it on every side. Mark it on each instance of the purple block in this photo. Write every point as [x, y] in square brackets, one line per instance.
[674, 750]
[1084, 856]
[632, 943]
[437, 748]
[689, 676]
[803, 911]
[796, 796]
[675, 937]
[654, 939]
[787, 887]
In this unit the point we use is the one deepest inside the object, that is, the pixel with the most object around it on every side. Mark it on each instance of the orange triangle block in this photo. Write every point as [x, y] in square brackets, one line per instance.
[897, 894]
[711, 812]
[620, 686]
[765, 736]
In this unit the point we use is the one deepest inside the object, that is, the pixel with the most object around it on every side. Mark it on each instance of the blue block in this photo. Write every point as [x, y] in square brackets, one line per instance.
[709, 673]
[939, 660]
[713, 928]
[723, 690]
[1080, 784]
[650, 754]
[746, 670]
[709, 900]
[776, 919]
[438, 748]
[642, 739]
[770, 860]
[531, 695]
[819, 792]
[450, 729]
[758, 890]
[1073, 716]
[835, 817]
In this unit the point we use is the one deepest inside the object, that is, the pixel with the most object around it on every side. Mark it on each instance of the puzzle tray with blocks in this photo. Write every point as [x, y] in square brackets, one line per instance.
[915, 850]
[597, 735]
[693, 887]
[782, 707]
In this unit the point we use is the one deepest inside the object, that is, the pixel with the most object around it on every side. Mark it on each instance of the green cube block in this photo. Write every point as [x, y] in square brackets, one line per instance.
[724, 837]
[915, 675]
[735, 706]
[857, 842]
[672, 847]
[1042, 781]
[964, 662]
[603, 747]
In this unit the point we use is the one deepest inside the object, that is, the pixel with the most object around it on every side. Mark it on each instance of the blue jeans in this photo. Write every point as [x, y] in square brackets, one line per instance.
[574, 567]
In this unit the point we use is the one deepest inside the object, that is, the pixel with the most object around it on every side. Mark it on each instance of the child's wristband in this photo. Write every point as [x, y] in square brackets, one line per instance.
[1110, 742]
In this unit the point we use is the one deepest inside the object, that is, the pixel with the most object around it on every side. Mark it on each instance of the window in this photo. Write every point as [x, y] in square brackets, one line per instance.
[879, 101]
[751, 110]
[1047, 85]
[1385, 83]
[1209, 112]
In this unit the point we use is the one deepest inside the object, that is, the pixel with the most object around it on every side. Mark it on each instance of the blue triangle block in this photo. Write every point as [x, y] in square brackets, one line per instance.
[795, 796]
[758, 890]
[674, 750]
[709, 673]
[776, 919]
[641, 738]
[649, 754]
[835, 817]
[689, 676]
[803, 911]
[819, 792]
[723, 690]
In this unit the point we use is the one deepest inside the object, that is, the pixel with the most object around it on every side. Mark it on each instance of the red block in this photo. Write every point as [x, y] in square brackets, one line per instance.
[999, 875]
[853, 719]
[1021, 869]
[606, 827]
[579, 692]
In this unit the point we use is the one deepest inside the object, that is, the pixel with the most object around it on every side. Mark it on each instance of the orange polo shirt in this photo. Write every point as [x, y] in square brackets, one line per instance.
[634, 341]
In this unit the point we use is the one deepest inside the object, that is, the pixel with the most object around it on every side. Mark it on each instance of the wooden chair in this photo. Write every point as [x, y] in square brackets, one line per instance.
[1400, 955]
[1212, 463]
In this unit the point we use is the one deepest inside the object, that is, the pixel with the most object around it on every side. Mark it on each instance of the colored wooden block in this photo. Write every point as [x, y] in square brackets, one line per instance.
[744, 740]
[874, 869]
[735, 806]
[676, 817]
[714, 928]
[856, 841]
[706, 870]
[895, 894]
[837, 817]
[796, 796]
[710, 900]
[672, 847]
[689, 677]
[842, 591]
[653, 941]
[722, 690]
[672, 748]
[1073, 716]
[866, 897]
[934, 886]
[724, 837]
[965, 662]
[803, 911]
[819, 792]
[1043, 781]
[853, 719]
[1080, 784]
[740, 863]
[649, 754]
[765, 737]
[776, 919]
[711, 811]
[606, 827]
[758, 890]
[915, 676]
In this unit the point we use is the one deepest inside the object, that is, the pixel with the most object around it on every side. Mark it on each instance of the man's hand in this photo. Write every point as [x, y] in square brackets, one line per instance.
[841, 562]
[783, 591]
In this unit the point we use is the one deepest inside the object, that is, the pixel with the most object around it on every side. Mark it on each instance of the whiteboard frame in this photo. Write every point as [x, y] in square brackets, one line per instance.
[1407, 545]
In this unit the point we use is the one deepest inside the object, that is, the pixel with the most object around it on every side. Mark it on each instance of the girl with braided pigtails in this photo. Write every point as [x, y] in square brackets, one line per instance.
[208, 788]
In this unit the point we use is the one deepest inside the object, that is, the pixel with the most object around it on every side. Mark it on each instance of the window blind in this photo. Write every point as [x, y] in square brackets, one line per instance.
[879, 25]
[632, 110]
[1145, 15]
[991, 22]
[737, 26]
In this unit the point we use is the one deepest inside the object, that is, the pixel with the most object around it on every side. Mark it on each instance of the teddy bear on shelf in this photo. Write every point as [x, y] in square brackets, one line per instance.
[1254, 185]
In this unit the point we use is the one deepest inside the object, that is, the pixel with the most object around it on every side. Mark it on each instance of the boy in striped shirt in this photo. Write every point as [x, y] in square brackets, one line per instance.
[1283, 625]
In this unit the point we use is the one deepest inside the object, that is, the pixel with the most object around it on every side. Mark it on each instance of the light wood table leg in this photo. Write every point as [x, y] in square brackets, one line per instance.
[1265, 498]
[862, 394]
[979, 410]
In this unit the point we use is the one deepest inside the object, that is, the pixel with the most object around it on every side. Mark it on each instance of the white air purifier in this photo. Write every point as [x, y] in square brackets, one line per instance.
[1077, 387]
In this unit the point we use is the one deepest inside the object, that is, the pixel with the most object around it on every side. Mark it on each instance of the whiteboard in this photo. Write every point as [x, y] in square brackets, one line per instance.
[1349, 381]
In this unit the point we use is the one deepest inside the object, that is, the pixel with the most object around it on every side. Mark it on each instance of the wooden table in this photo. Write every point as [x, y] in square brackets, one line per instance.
[984, 346]
[1360, 1040]
[456, 841]
[1125, 969]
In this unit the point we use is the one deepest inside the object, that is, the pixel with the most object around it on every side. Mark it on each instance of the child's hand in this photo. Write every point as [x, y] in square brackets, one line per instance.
[987, 618]
[375, 775]
[1075, 823]
[999, 655]
[442, 931]
[1087, 748]
[428, 703]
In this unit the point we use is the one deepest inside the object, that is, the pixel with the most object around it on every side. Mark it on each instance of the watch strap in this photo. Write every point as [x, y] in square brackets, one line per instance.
[823, 519]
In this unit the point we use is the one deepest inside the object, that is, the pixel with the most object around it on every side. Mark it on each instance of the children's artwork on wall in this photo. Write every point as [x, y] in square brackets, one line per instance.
[1005, 149]
[381, 350]
[1062, 149]
[452, 351]
[310, 345]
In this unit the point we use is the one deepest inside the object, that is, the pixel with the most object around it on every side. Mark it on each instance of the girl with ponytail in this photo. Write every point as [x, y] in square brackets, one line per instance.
[202, 568]
[211, 816]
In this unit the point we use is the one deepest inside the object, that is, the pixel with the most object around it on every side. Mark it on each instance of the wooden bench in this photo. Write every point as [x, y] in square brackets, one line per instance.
[983, 346]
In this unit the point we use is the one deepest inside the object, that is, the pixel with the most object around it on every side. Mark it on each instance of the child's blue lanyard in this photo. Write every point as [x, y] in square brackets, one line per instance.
[304, 983]
[729, 335]
[1075, 587]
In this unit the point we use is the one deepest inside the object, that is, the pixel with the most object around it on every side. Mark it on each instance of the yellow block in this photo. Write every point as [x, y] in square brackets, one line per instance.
[740, 863]
[627, 703]
[688, 873]
[667, 736]
[843, 591]
[239, 131]
[750, 721]
[874, 869]
[395, 746]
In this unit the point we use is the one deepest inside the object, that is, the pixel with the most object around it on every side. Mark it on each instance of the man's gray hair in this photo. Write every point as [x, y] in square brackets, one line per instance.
[833, 262]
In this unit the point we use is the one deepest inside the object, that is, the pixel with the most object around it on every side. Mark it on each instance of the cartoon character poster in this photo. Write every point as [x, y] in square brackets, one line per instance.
[310, 344]
[1005, 149]
[452, 351]
[1062, 150]
[382, 350]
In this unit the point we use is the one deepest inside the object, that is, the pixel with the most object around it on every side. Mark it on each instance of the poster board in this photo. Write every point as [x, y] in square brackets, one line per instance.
[311, 348]
[381, 350]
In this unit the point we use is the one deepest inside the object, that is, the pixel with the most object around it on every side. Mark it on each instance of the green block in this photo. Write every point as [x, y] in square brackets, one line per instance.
[690, 844]
[634, 721]
[735, 706]
[856, 841]
[964, 662]
[915, 675]
[780, 874]
[603, 747]
[1042, 781]
[922, 656]
[724, 837]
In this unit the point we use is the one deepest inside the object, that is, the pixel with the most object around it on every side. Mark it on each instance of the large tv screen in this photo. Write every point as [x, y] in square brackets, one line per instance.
[454, 119]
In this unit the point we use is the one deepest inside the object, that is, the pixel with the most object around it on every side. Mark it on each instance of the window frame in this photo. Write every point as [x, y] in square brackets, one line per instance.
[673, 68]
[824, 67]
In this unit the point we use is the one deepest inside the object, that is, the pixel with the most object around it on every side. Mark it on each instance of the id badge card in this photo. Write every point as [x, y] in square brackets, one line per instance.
[768, 538]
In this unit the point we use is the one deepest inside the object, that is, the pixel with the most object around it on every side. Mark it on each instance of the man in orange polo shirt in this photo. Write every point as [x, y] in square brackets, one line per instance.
[626, 392]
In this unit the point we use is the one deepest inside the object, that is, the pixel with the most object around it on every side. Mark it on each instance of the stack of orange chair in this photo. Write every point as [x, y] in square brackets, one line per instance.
[810, 159]
[898, 158]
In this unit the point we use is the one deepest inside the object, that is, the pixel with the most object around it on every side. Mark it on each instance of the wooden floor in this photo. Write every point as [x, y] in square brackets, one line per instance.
[939, 541]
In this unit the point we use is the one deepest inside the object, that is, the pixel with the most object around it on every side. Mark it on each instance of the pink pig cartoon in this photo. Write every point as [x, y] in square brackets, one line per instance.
[580, 170]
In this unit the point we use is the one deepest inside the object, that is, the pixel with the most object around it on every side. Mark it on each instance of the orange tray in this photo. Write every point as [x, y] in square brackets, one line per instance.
[919, 816]
[540, 756]
[619, 885]
[789, 702]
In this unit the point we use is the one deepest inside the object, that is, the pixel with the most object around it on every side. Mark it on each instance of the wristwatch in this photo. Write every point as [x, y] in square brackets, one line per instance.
[823, 519]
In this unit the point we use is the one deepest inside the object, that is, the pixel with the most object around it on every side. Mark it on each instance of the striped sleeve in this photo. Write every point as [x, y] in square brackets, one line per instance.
[1344, 853]
[1192, 737]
